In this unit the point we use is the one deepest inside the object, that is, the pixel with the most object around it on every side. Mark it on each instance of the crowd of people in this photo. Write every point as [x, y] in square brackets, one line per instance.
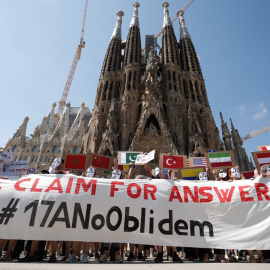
[75, 251]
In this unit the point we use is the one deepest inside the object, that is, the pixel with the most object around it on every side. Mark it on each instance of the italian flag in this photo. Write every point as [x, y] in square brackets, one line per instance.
[221, 159]
[263, 158]
[126, 158]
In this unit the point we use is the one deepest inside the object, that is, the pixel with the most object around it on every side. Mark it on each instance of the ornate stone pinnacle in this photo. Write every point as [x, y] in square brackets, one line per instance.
[135, 20]
[165, 4]
[120, 13]
[54, 105]
[136, 5]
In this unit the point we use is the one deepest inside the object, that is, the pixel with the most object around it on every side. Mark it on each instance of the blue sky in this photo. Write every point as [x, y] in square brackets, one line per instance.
[40, 38]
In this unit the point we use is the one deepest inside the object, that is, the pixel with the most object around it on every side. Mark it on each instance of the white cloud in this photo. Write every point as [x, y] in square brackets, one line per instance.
[262, 112]
[241, 108]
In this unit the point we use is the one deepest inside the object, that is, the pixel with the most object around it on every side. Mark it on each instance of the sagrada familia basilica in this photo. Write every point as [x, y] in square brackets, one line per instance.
[143, 102]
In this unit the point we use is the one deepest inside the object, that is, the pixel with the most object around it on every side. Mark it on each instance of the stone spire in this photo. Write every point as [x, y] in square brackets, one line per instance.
[183, 29]
[132, 79]
[117, 29]
[226, 134]
[166, 19]
[135, 20]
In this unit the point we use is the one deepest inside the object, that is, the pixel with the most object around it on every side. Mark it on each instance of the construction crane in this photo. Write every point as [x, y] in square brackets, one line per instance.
[256, 132]
[62, 102]
[183, 10]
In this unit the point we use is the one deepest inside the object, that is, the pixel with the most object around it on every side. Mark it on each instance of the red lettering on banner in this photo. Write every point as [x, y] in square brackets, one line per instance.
[224, 196]
[262, 189]
[175, 194]
[151, 190]
[187, 191]
[69, 186]
[57, 188]
[34, 189]
[134, 195]
[18, 183]
[205, 194]
[81, 181]
[113, 188]
[243, 194]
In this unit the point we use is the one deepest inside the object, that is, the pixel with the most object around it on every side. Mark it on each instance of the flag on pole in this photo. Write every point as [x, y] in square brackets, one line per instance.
[125, 158]
[197, 162]
[172, 162]
[102, 162]
[75, 162]
[220, 159]
[190, 174]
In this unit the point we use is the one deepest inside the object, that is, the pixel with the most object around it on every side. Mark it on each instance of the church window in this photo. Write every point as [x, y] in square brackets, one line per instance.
[54, 149]
[20, 158]
[185, 89]
[14, 148]
[33, 158]
[34, 149]
[41, 158]
[25, 158]
[45, 159]
[75, 148]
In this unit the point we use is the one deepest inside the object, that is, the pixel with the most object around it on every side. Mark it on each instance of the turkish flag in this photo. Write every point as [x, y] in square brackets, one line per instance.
[101, 162]
[172, 162]
[75, 162]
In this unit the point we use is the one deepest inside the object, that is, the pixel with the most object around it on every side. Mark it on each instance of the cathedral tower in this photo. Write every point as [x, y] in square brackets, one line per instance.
[161, 104]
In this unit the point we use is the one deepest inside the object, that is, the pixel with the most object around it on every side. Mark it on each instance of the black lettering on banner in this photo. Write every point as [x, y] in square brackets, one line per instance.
[94, 223]
[142, 228]
[178, 227]
[194, 223]
[108, 218]
[128, 219]
[164, 221]
[49, 209]
[62, 207]
[78, 211]
[33, 205]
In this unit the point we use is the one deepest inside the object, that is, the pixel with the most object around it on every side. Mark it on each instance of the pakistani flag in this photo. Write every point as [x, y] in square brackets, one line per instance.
[126, 158]
[220, 159]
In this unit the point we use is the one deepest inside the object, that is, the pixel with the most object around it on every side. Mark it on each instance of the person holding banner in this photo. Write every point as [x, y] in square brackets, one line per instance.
[57, 167]
[171, 251]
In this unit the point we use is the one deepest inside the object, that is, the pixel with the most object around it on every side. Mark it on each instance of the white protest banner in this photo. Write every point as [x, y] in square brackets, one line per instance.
[142, 159]
[205, 214]
[15, 168]
[7, 156]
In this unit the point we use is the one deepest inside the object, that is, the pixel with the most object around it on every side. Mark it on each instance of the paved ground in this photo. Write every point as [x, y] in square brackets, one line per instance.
[148, 264]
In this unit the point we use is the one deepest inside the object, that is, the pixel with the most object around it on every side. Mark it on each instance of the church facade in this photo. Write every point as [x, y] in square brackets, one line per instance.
[160, 103]
[143, 102]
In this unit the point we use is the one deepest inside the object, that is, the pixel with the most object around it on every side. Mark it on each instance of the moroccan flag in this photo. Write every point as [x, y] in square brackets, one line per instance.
[173, 162]
[220, 159]
[248, 175]
[75, 162]
[102, 162]
[263, 158]
[190, 174]
[127, 157]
